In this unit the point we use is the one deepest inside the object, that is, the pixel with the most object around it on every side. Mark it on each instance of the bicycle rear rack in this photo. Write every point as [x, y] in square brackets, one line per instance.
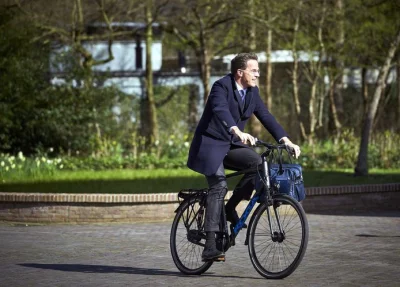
[189, 193]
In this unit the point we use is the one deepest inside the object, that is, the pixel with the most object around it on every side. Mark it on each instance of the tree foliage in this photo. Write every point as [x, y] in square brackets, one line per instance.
[313, 99]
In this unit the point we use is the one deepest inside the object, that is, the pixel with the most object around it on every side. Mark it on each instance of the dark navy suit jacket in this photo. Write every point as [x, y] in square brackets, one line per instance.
[224, 109]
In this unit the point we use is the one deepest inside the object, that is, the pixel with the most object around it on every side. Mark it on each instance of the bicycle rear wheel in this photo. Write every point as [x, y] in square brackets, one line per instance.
[275, 254]
[188, 237]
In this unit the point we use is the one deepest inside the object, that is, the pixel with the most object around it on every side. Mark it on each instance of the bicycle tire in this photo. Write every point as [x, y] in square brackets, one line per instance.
[187, 235]
[266, 249]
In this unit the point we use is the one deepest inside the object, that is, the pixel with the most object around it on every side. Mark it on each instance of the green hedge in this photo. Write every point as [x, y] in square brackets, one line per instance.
[383, 153]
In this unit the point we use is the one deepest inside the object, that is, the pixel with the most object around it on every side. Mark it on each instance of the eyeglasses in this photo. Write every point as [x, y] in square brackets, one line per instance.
[253, 72]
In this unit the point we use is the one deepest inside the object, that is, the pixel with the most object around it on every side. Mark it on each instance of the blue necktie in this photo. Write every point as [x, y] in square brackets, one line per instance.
[242, 94]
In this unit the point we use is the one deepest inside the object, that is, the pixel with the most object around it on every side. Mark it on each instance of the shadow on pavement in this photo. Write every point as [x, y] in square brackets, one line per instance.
[118, 269]
[101, 269]
[374, 235]
[364, 213]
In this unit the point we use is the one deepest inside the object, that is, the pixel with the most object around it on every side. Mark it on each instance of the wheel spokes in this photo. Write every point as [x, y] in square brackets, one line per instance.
[277, 249]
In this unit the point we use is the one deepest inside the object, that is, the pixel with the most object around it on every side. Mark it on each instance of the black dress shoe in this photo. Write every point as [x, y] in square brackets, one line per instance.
[212, 254]
[233, 218]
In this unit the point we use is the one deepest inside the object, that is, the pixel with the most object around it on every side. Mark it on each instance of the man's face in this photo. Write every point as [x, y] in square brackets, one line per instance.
[249, 76]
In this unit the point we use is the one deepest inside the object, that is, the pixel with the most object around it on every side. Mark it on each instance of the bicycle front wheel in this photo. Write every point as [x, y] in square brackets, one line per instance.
[278, 237]
[188, 237]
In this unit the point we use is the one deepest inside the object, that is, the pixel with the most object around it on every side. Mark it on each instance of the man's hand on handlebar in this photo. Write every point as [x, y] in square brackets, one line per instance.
[293, 148]
[244, 137]
[247, 138]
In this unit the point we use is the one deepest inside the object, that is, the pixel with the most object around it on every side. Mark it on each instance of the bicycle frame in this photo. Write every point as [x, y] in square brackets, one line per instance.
[263, 193]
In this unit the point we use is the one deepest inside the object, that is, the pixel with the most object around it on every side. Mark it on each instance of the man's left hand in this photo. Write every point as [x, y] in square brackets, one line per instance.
[292, 147]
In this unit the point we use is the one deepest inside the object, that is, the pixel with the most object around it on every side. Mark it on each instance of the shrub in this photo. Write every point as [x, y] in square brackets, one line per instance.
[171, 152]
[12, 167]
[343, 153]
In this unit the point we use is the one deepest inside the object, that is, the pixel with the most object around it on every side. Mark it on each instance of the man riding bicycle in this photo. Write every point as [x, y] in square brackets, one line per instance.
[219, 142]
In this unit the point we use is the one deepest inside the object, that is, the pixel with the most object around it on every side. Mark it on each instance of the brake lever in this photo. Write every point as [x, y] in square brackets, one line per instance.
[290, 150]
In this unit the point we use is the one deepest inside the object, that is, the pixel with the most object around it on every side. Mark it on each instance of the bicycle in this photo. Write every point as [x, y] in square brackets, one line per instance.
[277, 234]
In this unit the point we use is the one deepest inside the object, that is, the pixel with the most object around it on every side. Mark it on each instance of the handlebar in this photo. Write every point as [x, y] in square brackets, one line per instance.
[269, 145]
[272, 146]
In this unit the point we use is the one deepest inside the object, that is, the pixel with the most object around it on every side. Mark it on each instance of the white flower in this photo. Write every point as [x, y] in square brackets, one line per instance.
[43, 159]
[6, 168]
[186, 144]
[51, 149]
[49, 161]
[157, 142]
[21, 155]
[13, 166]
[61, 166]
[170, 143]
[2, 163]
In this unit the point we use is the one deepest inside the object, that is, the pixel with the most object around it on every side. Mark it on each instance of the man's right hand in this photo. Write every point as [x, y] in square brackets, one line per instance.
[244, 137]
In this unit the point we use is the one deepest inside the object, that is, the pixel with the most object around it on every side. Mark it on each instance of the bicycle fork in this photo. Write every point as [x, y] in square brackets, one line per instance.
[275, 236]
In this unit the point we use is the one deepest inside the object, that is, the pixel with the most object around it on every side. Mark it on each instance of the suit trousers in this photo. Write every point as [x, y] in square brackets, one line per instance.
[237, 158]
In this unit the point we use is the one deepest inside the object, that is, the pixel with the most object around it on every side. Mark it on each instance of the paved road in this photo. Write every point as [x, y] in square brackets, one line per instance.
[356, 250]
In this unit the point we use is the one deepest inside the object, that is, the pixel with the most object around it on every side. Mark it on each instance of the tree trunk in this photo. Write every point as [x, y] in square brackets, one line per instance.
[251, 42]
[295, 76]
[336, 75]
[321, 102]
[150, 125]
[337, 127]
[315, 76]
[364, 91]
[338, 88]
[296, 95]
[398, 91]
[268, 71]
[254, 124]
[361, 168]
[205, 71]
[193, 102]
[312, 111]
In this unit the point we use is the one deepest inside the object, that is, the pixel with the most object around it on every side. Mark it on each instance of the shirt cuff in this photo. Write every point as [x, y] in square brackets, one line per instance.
[281, 140]
[230, 129]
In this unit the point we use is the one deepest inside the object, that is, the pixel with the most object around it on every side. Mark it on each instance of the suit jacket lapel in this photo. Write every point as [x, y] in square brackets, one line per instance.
[239, 101]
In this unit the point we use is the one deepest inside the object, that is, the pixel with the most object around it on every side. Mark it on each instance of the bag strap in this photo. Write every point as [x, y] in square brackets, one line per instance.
[280, 158]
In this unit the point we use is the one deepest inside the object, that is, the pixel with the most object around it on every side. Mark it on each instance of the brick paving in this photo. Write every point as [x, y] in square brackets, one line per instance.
[343, 250]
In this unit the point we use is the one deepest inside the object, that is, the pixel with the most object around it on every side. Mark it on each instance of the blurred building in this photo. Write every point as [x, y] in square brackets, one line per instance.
[126, 70]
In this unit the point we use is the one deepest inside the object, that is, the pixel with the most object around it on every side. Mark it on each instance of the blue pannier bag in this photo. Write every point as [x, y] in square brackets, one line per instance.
[288, 179]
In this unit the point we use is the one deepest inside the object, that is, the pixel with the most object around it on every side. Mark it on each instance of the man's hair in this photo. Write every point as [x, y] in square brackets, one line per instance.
[240, 61]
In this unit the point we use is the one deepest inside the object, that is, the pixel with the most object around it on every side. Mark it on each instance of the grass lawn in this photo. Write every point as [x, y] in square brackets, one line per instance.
[162, 180]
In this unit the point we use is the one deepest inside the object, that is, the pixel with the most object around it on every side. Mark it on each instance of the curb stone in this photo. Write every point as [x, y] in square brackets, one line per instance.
[90, 208]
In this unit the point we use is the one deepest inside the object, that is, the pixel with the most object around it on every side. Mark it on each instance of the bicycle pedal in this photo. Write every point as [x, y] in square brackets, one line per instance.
[220, 259]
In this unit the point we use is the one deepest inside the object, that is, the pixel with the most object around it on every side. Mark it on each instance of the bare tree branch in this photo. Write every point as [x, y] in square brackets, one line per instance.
[167, 99]
[374, 3]
[110, 35]
[212, 26]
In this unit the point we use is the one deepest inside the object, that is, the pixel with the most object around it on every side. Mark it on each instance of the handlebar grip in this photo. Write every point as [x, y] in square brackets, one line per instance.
[269, 145]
